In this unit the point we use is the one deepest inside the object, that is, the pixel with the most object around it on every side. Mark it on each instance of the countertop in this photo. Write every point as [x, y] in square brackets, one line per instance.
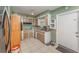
[45, 30]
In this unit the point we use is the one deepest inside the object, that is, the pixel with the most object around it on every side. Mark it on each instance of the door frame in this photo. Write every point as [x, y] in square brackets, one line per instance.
[63, 13]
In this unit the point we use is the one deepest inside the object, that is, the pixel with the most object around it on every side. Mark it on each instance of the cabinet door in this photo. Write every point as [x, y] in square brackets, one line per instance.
[25, 34]
[46, 20]
[40, 37]
[35, 22]
[39, 22]
[31, 34]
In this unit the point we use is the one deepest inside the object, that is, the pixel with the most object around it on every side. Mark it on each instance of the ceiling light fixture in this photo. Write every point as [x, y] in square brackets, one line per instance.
[32, 13]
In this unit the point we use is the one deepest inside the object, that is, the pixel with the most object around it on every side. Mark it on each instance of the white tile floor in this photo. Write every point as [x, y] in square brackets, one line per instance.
[35, 46]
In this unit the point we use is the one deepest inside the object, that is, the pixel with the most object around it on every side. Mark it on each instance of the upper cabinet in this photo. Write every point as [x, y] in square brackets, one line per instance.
[44, 20]
[35, 22]
[27, 20]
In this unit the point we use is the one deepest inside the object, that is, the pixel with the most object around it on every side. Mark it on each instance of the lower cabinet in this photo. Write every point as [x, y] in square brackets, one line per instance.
[44, 37]
[26, 34]
[40, 36]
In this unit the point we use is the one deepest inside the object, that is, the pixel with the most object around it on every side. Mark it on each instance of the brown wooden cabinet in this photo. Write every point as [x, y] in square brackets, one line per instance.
[43, 36]
[28, 20]
[46, 20]
[26, 34]
[35, 22]
[40, 36]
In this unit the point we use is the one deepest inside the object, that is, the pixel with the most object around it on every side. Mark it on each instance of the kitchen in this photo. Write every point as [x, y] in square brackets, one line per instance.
[37, 29]
[27, 28]
[40, 29]
[47, 28]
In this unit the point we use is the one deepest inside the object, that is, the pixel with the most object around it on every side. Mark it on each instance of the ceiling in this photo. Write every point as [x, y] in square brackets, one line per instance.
[29, 10]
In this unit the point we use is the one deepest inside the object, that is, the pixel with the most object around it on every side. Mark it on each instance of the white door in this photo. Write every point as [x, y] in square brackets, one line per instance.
[67, 31]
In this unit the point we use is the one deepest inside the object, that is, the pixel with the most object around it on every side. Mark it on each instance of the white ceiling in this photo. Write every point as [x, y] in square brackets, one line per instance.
[35, 9]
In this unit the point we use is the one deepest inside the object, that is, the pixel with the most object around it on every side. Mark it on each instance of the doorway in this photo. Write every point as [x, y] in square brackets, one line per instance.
[67, 30]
